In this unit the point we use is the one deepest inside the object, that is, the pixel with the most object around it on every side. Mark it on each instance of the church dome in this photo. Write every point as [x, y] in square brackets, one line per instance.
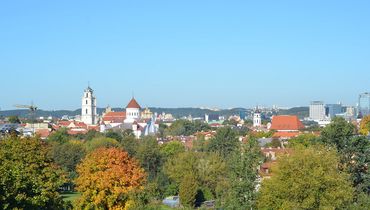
[133, 104]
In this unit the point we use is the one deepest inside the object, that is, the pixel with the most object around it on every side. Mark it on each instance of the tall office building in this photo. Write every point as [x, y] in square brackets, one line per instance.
[333, 109]
[364, 104]
[317, 110]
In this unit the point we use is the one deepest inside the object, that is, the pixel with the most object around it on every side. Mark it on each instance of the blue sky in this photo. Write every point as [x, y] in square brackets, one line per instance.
[184, 53]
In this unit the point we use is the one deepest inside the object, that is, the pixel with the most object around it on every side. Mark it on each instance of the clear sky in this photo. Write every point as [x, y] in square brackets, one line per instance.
[184, 53]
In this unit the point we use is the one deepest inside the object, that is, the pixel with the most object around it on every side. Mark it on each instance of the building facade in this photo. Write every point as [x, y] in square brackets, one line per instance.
[132, 111]
[257, 120]
[317, 110]
[88, 108]
[333, 110]
[364, 104]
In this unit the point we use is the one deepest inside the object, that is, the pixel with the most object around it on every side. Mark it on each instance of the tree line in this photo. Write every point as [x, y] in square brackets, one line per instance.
[115, 170]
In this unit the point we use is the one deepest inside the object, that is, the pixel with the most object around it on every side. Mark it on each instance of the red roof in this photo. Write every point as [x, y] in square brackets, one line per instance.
[80, 124]
[286, 123]
[114, 117]
[284, 134]
[133, 104]
[76, 124]
[43, 133]
[64, 123]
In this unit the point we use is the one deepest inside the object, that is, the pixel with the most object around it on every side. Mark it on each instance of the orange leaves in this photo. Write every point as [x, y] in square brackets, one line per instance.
[106, 177]
[365, 125]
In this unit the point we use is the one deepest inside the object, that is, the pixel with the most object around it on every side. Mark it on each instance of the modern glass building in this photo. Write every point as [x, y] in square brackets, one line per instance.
[331, 110]
[364, 104]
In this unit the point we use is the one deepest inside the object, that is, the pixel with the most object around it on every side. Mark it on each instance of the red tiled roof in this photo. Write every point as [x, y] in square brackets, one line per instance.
[114, 117]
[286, 122]
[283, 134]
[77, 124]
[64, 123]
[133, 104]
[80, 124]
[43, 133]
[93, 127]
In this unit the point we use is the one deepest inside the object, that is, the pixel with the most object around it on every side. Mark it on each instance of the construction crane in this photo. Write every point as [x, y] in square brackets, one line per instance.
[32, 110]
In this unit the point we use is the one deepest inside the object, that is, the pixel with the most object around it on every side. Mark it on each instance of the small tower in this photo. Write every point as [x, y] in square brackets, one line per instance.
[132, 111]
[257, 118]
[88, 112]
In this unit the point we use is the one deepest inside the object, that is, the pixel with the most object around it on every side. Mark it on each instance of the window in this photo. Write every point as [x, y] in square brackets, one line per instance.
[87, 95]
[86, 111]
[86, 101]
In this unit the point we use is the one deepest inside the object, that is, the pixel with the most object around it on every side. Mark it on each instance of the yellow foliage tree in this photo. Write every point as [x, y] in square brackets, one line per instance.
[107, 176]
[307, 179]
[365, 125]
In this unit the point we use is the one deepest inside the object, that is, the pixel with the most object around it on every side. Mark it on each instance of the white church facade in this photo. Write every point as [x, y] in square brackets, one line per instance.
[132, 118]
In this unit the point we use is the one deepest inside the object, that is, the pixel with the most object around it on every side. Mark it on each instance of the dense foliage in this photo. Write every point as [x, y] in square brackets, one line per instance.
[116, 170]
[308, 179]
[186, 128]
[107, 176]
[29, 179]
[225, 142]
[243, 177]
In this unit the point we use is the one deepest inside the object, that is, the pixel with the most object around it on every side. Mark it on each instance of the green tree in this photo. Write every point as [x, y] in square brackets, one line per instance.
[130, 144]
[243, 177]
[14, 119]
[100, 142]
[91, 134]
[29, 178]
[361, 203]
[60, 136]
[208, 168]
[338, 133]
[188, 190]
[149, 156]
[225, 142]
[307, 179]
[354, 152]
[114, 135]
[275, 143]
[211, 170]
[161, 130]
[184, 163]
[355, 159]
[305, 140]
[68, 155]
[171, 149]
[186, 128]
[200, 144]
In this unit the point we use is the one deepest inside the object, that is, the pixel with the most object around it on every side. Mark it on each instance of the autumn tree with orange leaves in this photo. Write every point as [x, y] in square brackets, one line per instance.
[365, 125]
[107, 177]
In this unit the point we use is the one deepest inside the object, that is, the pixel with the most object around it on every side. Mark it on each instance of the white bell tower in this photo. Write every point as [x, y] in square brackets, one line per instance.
[88, 112]
[257, 118]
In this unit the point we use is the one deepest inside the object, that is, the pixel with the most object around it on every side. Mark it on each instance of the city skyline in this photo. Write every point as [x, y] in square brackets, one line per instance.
[184, 54]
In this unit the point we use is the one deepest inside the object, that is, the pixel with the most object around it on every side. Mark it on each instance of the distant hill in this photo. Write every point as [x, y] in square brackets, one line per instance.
[301, 112]
[176, 112]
